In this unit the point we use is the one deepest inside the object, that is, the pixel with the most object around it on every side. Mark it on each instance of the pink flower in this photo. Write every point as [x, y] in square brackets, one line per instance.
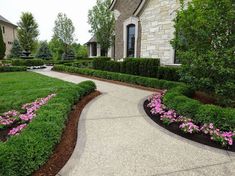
[15, 131]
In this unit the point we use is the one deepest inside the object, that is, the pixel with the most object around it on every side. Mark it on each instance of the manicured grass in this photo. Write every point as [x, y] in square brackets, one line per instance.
[18, 88]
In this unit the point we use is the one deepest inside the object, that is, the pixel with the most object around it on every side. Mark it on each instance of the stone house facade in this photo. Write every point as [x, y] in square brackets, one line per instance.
[144, 28]
[9, 32]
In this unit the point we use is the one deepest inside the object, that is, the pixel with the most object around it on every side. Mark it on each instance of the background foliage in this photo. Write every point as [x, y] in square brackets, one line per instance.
[204, 40]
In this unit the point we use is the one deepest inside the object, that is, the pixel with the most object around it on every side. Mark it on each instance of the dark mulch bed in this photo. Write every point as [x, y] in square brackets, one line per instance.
[174, 128]
[64, 149]
[204, 98]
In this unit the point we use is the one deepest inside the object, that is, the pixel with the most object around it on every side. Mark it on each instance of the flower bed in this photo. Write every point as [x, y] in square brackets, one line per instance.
[22, 154]
[187, 127]
[13, 122]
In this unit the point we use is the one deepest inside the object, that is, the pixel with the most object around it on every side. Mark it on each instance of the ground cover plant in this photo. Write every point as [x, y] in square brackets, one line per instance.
[22, 154]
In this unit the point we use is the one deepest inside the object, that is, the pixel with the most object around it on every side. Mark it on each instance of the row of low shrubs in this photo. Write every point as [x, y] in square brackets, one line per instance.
[27, 62]
[12, 68]
[23, 154]
[177, 97]
[81, 64]
[138, 66]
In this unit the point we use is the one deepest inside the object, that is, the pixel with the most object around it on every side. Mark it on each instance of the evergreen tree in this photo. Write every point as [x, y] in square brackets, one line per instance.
[27, 31]
[44, 51]
[16, 50]
[2, 45]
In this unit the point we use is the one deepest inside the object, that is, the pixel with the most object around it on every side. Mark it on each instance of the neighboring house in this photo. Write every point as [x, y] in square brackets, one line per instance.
[95, 50]
[9, 33]
[144, 28]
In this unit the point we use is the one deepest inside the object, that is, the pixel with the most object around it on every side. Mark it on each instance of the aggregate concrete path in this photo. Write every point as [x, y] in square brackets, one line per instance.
[116, 138]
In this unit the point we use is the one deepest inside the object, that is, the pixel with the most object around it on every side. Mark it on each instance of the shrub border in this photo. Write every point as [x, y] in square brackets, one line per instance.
[12, 69]
[177, 96]
[21, 155]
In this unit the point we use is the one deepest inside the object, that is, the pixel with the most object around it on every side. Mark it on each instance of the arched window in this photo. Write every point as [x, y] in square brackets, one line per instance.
[131, 40]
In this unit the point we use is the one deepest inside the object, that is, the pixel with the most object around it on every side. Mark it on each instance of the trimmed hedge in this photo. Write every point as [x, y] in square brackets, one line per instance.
[27, 62]
[138, 80]
[168, 73]
[100, 62]
[12, 69]
[81, 64]
[138, 66]
[177, 97]
[21, 155]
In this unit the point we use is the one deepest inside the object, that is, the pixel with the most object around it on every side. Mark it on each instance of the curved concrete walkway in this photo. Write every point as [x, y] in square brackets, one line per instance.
[116, 138]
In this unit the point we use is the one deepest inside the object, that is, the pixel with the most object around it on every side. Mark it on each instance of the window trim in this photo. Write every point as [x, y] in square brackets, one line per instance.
[128, 38]
[129, 21]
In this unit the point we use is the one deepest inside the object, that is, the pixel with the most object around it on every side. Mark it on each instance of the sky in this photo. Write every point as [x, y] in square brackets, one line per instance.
[45, 13]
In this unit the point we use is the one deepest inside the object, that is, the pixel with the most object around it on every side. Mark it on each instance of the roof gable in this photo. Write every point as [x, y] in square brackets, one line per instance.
[138, 10]
[6, 21]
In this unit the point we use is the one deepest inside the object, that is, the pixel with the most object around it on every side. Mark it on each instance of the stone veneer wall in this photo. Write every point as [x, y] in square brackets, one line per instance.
[125, 9]
[158, 29]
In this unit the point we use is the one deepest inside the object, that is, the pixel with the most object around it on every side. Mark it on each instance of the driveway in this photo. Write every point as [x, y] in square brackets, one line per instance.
[116, 138]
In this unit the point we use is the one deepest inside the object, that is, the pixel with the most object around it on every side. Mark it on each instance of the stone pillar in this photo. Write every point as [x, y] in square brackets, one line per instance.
[98, 50]
[90, 54]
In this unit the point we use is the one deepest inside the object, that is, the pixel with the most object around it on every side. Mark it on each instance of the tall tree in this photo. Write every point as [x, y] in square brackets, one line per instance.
[16, 50]
[80, 50]
[27, 31]
[2, 45]
[101, 20]
[64, 31]
[57, 48]
[44, 51]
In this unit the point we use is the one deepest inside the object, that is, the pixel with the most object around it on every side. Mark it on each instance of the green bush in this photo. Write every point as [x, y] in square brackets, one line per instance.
[177, 96]
[204, 41]
[21, 155]
[81, 64]
[100, 62]
[138, 66]
[27, 62]
[12, 68]
[168, 73]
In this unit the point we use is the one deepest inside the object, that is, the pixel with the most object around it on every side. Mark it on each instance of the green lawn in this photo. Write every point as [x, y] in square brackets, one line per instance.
[18, 88]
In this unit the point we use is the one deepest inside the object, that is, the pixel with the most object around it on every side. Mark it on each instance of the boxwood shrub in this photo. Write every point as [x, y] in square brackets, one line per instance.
[27, 62]
[21, 155]
[177, 97]
[12, 68]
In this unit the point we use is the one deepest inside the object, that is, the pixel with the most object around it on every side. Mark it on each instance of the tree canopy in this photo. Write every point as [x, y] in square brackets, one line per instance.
[204, 40]
[27, 31]
[102, 21]
[44, 51]
[64, 31]
[16, 50]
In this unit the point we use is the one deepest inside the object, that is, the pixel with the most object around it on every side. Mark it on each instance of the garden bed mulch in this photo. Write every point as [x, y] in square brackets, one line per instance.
[174, 128]
[64, 149]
